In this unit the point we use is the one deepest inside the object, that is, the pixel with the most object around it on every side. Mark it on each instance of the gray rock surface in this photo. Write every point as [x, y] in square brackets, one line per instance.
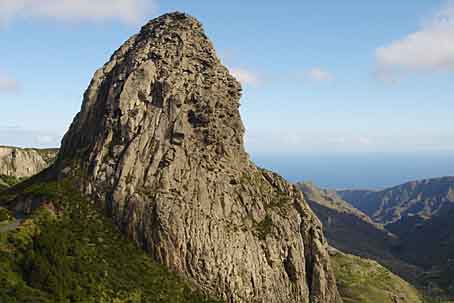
[20, 162]
[159, 143]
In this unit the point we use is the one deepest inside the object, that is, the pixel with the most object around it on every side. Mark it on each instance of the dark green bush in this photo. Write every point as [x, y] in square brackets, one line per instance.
[5, 215]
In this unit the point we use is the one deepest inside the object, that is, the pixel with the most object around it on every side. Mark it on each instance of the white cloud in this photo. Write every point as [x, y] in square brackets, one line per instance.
[318, 74]
[429, 49]
[128, 11]
[8, 84]
[18, 136]
[245, 76]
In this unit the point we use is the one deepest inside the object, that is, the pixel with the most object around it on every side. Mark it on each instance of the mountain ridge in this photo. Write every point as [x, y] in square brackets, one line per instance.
[417, 212]
[351, 231]
[410, 198]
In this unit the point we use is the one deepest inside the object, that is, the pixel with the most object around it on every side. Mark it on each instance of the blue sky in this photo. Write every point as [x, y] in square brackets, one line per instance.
[318, 76]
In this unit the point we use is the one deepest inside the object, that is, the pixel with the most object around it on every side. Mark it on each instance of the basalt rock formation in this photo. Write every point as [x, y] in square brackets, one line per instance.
[159, 143]
[24, 162]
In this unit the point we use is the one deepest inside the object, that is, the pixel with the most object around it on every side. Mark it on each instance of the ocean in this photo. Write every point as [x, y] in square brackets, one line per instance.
[359, 170]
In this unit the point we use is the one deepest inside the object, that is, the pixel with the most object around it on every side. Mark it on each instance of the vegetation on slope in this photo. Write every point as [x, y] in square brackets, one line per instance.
[5, 215]
[67, 251]
[330, 199]
[365, 281]
[420, 214]
[429, 244]
[3, 185]
[8, 181]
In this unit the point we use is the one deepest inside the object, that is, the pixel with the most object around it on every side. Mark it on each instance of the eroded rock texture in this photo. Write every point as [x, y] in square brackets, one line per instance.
[159, 140]
[24, 162]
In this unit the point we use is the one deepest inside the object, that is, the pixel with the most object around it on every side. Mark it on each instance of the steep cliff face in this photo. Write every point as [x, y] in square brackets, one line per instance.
[159, 143]
[18, 162]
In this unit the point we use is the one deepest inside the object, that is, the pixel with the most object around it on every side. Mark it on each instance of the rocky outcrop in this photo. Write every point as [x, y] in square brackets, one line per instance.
[159, 143]
[20, 162]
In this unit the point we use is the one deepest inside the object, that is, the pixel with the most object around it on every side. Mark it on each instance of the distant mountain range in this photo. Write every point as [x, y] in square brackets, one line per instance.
[352, 231]
[421, 214]
[425, 198]
[408, 228]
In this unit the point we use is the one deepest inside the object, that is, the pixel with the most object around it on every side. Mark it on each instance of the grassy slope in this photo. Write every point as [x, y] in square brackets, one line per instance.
[8, 181]
[365, 281]
[69, 252]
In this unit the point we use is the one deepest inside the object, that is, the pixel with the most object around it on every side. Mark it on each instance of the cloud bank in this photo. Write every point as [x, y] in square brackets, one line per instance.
[431, 48]
[127, 11]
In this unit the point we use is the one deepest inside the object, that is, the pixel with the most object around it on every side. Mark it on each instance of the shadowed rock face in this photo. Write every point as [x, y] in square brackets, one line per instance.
[159, 141]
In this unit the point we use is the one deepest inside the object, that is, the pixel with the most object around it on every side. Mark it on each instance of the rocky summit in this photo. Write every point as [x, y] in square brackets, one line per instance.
[159, 144]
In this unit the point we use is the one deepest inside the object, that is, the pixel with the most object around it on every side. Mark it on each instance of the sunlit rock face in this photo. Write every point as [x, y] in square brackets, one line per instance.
[21, 163]
[159, 143]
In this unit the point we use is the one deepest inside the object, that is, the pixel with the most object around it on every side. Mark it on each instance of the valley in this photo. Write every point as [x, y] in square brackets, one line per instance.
[408, 231]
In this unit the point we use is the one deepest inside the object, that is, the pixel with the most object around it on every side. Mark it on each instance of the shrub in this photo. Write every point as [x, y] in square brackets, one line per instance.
[5, 215]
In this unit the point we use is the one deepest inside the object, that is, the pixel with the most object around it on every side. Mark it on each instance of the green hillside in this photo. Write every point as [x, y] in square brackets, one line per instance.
[8, 181]
[365, 281]
[67, 251]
